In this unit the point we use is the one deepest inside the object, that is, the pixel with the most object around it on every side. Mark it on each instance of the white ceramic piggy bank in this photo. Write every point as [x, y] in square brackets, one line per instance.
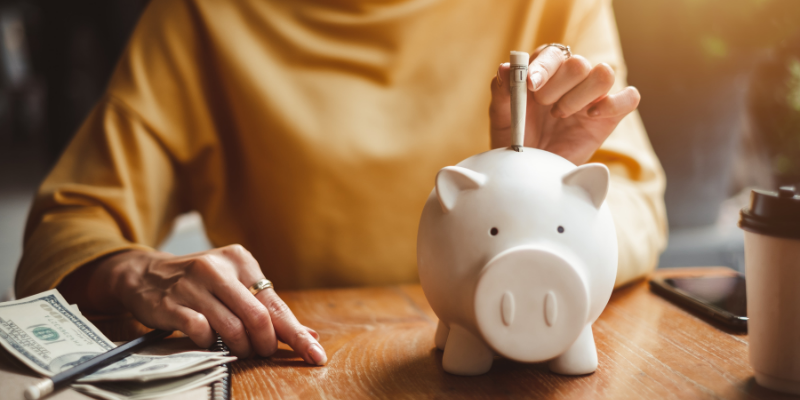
[517, 255]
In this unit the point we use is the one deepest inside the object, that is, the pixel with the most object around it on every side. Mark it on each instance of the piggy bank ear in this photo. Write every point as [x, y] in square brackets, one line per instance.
[451, 181]
[593, 178]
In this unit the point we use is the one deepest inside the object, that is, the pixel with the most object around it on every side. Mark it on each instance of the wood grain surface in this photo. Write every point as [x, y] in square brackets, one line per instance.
[380, 345]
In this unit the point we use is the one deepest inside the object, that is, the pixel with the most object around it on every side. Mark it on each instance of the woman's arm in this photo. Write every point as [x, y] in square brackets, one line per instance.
[145, 154]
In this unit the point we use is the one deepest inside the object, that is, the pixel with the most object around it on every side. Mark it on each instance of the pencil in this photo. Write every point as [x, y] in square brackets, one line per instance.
[62, 379]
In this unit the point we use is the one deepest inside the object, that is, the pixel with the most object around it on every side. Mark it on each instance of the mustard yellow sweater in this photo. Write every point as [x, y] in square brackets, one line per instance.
[310, 132]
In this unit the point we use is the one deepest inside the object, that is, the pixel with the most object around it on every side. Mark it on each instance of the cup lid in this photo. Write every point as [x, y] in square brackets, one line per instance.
[773, 213]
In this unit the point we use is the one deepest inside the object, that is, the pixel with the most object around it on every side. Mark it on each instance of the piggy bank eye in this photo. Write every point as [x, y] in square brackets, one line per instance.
[560, 229]
[493, 231]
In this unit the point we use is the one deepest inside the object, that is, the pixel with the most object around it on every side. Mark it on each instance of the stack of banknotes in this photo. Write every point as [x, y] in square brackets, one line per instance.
[49, 335]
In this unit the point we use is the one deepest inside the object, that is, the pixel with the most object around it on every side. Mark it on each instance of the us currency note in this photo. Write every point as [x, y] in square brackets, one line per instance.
[148, 368]
[147, 390]
[47, 334]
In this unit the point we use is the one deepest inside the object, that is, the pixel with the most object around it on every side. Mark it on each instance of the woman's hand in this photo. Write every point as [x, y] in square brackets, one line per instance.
[198, 294]
[569, 111]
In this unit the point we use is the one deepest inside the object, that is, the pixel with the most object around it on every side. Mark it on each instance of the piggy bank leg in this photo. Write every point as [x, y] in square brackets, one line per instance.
[580, 358]
[464, 354]
[441, 335]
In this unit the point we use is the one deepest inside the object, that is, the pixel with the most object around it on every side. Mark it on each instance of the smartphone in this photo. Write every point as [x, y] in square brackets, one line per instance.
[722, 298]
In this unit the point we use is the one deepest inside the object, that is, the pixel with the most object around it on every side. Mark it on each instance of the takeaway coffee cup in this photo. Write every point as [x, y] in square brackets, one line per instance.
[772, 266]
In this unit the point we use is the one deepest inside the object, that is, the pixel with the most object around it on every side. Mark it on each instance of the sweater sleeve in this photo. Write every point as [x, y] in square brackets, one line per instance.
[636, 195]
[145, 154]
[113, 189]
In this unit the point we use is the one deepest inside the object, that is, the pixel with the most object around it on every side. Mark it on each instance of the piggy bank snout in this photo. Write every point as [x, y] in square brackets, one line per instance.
[530, 304]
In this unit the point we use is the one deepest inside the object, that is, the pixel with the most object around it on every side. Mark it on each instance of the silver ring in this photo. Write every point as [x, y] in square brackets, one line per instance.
[564, 49]
[260, 285]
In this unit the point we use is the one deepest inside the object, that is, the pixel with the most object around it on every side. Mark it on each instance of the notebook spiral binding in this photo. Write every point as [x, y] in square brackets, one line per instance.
[221, 389]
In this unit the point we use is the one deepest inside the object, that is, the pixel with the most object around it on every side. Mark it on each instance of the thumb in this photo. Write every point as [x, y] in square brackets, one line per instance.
[500, 108]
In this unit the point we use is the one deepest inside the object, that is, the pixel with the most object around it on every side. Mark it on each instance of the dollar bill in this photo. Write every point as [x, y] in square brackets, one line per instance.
[148, 368]
[128, 390]
[75, 309]
[47, 334]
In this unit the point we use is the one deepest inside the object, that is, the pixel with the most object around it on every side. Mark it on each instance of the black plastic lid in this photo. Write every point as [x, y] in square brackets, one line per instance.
[774, 214]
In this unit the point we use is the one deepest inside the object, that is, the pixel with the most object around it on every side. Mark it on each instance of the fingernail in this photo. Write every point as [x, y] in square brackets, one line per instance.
[593, 112]
[556, 112]
[499, 79]
[317, 354]
[536, 80]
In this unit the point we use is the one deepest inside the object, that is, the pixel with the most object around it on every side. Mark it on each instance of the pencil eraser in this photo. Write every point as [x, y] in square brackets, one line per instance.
[519, 58]
[32, 393]
[39, 389]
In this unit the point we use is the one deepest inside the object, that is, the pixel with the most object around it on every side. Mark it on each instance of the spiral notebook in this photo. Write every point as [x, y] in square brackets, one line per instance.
[221, 389]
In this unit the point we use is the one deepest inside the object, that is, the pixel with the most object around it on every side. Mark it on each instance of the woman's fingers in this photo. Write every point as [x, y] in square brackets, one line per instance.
[206, 292]
[170, 316]
[500, 108]
[266, 315]
[233, 292]
[571, 73]
[251, 312]
[313, 333]
[290, 331]
[194, 325]
[616, 105]
[228, 325]
[544, 66]
[596, 85]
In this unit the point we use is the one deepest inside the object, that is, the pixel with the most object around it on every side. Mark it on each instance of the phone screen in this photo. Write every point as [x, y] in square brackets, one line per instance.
[724, 292]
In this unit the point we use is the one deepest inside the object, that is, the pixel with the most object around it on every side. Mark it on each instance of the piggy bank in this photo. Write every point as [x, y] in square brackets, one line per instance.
[517, 256]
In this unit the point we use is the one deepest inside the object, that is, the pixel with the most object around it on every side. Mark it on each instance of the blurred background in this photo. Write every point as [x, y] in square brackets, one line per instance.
[720, 82]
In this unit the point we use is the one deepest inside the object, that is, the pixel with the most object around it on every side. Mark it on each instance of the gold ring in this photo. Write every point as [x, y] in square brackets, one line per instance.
[260, 285]
[564, 49]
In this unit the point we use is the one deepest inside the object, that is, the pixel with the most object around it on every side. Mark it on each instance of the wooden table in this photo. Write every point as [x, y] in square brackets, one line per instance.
[380, 345]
